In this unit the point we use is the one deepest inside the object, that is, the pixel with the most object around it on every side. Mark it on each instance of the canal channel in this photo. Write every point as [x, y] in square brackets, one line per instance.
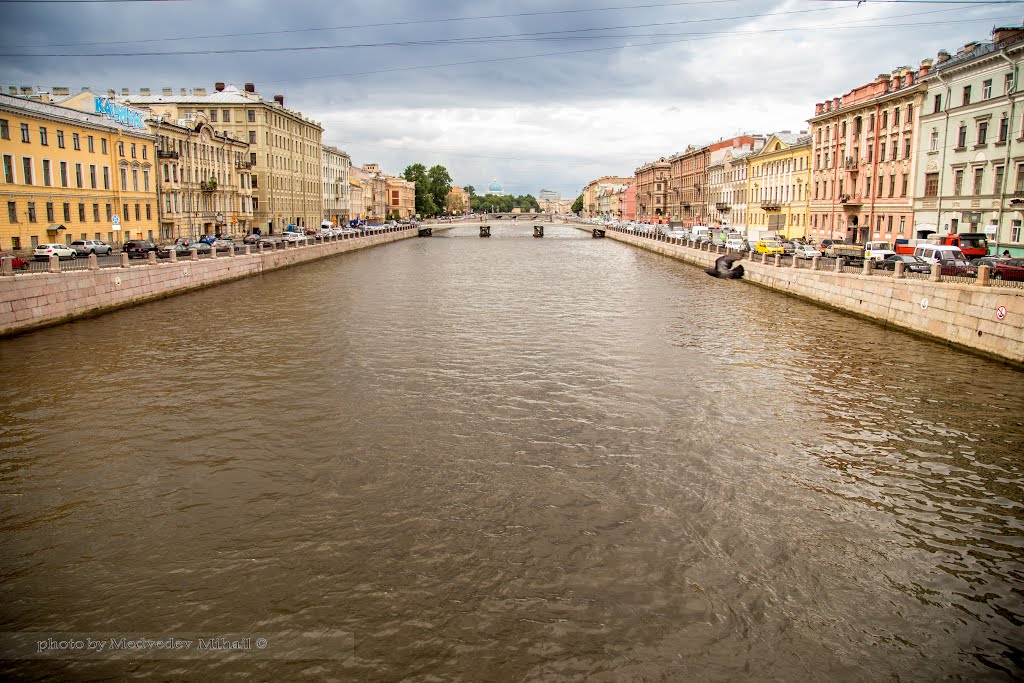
[512, 459]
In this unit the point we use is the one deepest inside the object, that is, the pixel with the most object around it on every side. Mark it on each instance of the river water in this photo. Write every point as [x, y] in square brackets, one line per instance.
[512, 459]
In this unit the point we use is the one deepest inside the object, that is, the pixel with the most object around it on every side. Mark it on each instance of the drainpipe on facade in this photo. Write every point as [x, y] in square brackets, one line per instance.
[159, 194]
[942, 157]
[874, 168]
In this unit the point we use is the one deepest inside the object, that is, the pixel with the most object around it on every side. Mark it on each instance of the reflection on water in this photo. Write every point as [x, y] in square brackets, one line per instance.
[515, 458]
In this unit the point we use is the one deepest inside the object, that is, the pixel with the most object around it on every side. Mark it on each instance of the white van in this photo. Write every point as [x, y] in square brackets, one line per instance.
[939, 253]
[699, 232]
[877, 251]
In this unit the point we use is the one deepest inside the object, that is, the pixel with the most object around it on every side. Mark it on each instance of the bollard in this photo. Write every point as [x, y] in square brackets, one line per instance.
[936, 273]
[764, 257]
[795, 263]
[6, 266]
[246, 250]
[259, 248]
[898, 270]
[984, 275]
[231, 250]
[284, 245]
[213, 251]
[193, 254]
[839, 265]
[718, 248]
[54, 266]
[815, 262]
[172, 255]
[778, 260]
[869, 265]
[94, 263]
[124, 260]
[151, 257]
[273, 246]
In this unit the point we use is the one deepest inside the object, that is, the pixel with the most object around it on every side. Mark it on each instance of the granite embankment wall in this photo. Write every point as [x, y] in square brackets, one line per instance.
[964, 315]
[31, 301]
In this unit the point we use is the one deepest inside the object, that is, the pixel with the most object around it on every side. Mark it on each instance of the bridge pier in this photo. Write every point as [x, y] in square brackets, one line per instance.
[425, 232]
[538, 231]
[598, 233]
[485, 231]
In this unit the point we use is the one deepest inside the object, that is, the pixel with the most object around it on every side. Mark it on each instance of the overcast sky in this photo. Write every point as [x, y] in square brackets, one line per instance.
[537, 93]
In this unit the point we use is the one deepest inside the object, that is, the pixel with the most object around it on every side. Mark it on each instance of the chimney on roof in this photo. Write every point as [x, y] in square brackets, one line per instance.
[59, 90]
[184, 92]
[145, 92]
[1003, 34]
[110, 93]
[218, 86]
[279, 99]
[124, 92]
[26, 90]
[85, 88]
[926, 66]
[11, 90]
[819, 108]
[250, 87]
[199, 92]
[967, 48]
[943, 56]
[167, 92]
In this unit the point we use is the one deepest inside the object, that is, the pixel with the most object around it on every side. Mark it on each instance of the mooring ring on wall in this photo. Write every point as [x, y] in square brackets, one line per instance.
[184, 272]
[117, 281]
[924, 304]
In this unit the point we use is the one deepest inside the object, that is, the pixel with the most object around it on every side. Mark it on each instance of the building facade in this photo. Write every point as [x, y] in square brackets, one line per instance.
[863, 148]
[593, 191]
[778, 185]
[401, 194]
[336, 165]
[72, 175]
[285, 149]
[456, 204]
[687, 187]
[652, 190]
[970, 170]
[373, 184]
[727, 190]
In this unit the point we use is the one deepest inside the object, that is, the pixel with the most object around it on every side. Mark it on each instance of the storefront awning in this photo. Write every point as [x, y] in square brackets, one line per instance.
[55, 227]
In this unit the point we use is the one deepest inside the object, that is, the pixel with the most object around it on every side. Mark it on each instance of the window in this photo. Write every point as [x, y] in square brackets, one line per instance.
[867, 186]
[106, 177]
[885, 119]
[931, 183]
[75, 142]
[103, 145]
[89, 144]
[92, 176]
[252, 158]
[225, 115]
[81, 213]
[958, 182]
[982, 132]
[78, 176]
[896, 116]
[871, 123]
[5, 130]
[124, 178]
[24, 132]
[906, 148]
[986, 89]
[67, 212]
[124, 212]
[12, 212]
[934, 142]
[881, 151]
[47, 174]
[145, 151]
[49, 212]
[149, 214]
[120, 149]
[888, 222]
[63, 174]
[881, 185]
[133, 150]
[871, 153]
[997, 186]
[26, 169]
[1008, 84]
[213, 116]
[961, 137]
[135, 180]
[967, 95]
[110, 214]
[252, 137]
[251, 116]
[96, 213]
[892, 185]
[137, 215]
[31, 212]
[979, 177]
[906, 184]
[44, 138]
[1015, 232]
[8, 168]
[145, 179]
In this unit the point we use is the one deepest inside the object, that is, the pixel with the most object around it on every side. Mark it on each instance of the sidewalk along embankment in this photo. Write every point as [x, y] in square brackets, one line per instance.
[36, 300]
[982, 319]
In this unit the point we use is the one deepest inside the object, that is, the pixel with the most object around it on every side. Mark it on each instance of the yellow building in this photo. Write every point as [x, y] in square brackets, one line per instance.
[401, 197]
[778, 183]
[72, 175]
[457, 202]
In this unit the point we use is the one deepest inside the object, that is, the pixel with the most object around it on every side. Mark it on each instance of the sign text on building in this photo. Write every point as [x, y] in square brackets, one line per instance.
[120, 114]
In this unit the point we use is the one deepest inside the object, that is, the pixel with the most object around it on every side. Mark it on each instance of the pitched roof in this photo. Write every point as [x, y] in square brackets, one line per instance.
[55, 111]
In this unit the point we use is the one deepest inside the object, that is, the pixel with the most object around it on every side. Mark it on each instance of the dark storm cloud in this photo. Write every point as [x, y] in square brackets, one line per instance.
[665, 83]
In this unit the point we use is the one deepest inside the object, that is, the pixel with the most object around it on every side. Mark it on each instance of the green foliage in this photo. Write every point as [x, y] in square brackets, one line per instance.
[440, 184]
[470, 190]
[504, 203]
[432, 187]
[577, 205]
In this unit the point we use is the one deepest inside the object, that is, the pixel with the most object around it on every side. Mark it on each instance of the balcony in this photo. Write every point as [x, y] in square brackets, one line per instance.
[850, 163]
[208, 185]
[243, 165]
[722, 206]
[849, 202]
[771, 205]
[167, 154]
[1017, 199]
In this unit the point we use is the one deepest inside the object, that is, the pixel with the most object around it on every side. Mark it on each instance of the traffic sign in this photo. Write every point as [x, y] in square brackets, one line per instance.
[115, 219]
[1001, 313]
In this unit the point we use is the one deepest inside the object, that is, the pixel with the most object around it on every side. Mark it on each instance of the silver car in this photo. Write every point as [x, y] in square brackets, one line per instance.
[91, 247]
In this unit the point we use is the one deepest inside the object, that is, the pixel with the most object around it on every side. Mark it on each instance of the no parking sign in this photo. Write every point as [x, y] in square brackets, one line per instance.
[1001, 313]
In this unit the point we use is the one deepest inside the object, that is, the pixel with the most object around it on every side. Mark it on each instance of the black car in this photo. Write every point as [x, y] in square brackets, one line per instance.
[138, 248]
[911, 263]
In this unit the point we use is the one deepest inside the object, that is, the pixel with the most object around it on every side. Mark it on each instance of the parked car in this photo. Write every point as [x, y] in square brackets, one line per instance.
[294, 238]
[736, 244]
[769, 246]
[138, 248]
[788, 248]
[44, 251]
[18, 263]
[806, 251]
[222, 245]
[252, 238]
[823, 245]
[877, 251]
[989, 261]
[679, 234]
[1010, 269]
[208, 239]
[911, 263]
[939, 253]
[92, 247]
[181, 250]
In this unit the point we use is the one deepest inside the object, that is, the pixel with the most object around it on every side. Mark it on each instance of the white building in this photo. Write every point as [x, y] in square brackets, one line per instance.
[336, 165]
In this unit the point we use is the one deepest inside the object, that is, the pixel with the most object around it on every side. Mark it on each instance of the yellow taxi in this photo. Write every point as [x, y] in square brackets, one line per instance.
[769, 246]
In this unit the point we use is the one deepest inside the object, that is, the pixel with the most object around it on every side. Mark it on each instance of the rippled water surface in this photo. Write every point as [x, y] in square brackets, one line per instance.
[514, 459]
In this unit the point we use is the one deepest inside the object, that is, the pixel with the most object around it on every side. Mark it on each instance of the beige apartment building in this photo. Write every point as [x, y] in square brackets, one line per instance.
[373, 183]
[652, 190]
[401, 194]
[780, 174]
[336, 165]
[593, 191]
[285, 149]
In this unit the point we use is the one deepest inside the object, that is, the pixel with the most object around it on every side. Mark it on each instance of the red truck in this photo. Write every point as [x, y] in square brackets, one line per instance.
[972, 244]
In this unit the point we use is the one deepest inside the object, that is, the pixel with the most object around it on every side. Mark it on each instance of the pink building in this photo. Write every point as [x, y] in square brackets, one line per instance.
[863, 148]
[628, 204]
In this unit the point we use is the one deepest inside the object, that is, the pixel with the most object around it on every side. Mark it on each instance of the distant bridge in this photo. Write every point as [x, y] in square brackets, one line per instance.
[521, 217]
